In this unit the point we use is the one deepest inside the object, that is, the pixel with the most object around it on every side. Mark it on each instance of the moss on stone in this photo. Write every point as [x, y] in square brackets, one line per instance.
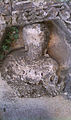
[11, 36]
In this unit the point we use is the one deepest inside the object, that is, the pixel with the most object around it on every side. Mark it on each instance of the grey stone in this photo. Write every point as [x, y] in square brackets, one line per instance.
[58, 46]
[5, 17]
[2, 28]
[35, 42]
[56, 32]
[31, 80]
[30, 73]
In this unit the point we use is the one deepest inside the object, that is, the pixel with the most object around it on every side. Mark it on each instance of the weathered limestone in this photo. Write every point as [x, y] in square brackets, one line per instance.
[31, 73]
[31, 80]
[22, 13]
[2, 28]
[28, 13]
[5, 11]
[58, 45]
[35, 42]
[5, 17]
[59, 48]
[19, 43]
[46, 27]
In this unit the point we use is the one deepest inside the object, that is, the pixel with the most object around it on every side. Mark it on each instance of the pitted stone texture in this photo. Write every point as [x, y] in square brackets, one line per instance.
[5, 11]
[21, 13]
[24, 13]
[5, 17]
[31, 80]
[2, 28]
[5, 7]
[27, 12]
[35, 41]
[30, 73]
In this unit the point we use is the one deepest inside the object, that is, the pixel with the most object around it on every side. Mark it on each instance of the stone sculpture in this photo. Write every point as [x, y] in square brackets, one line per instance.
[42, 67]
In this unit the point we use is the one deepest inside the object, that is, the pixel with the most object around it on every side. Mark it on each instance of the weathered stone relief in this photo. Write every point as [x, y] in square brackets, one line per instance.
[39, 67]
[31, 73]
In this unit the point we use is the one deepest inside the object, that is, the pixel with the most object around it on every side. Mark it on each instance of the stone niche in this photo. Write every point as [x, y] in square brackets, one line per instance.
[33, 70]
[39, 62]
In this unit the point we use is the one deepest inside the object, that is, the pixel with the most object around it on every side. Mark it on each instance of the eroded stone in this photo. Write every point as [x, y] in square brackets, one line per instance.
[2, 28]
[58, 46]
[35, 41]
[5, 17]
[21, 13]
[29, 72]
[31, 80]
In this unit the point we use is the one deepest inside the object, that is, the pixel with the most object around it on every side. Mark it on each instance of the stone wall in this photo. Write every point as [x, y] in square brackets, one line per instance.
[21, 13]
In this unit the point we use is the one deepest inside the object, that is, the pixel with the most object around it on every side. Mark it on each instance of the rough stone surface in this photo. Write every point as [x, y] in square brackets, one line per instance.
[58, 45]
[57, 33]
[5, 17]
[19, 43]
[2, 28]
[32, 73]
[67, 79]
[43, 108]
[31, 80]
[26, 12]
[35, 39]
